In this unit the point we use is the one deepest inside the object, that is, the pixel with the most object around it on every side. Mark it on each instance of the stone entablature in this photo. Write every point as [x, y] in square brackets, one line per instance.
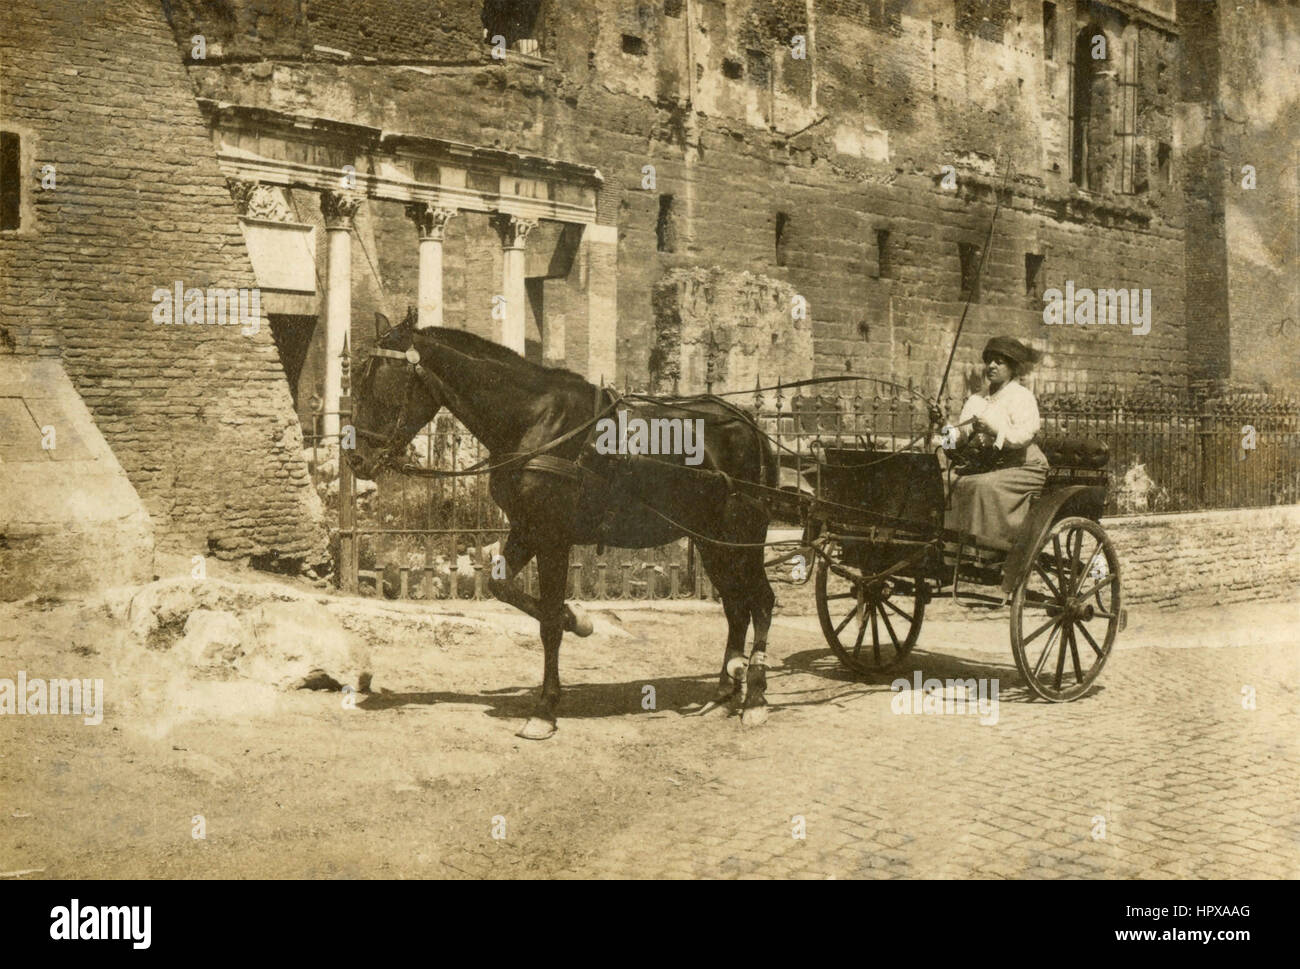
[279, 148]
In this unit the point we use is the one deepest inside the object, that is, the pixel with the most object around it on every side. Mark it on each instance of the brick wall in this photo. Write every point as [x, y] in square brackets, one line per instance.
[199, 417]
[845, 143]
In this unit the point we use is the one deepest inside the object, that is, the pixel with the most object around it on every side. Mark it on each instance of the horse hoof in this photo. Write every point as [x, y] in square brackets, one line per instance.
[537, 729]
[711, 708]
[754, 716]
[581, 624]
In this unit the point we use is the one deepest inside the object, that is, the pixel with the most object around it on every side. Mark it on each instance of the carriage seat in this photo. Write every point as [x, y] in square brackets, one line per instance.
[1076, 460]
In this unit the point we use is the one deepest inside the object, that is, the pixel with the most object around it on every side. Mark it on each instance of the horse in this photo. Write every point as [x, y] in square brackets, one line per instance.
[559, 490]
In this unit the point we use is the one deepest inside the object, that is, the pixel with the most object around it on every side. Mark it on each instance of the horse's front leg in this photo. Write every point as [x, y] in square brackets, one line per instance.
[517, 555]
[552, 571]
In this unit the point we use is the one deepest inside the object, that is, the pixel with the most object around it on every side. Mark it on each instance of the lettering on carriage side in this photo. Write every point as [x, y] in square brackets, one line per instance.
[1248, 698]
[968, 697]
[657, 435]
[648, 697]
[126, 923]
[498, 827]
[1098, 827]
[199, 828]
[1104, 307]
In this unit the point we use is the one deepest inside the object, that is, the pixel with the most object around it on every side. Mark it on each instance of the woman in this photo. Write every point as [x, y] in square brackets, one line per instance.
[993, 505]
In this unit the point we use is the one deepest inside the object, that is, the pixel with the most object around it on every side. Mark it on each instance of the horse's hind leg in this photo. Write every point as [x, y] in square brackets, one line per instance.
[517, 554]
[761, 601]
[722, 572]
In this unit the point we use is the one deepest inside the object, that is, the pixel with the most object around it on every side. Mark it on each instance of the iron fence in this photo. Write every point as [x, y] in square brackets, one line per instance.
[1170, 451]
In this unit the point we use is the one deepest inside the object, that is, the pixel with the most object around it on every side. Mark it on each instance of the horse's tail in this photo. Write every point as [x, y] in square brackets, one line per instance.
[769, 468]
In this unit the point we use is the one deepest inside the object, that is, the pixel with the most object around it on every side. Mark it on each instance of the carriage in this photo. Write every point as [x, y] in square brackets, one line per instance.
[874, 519]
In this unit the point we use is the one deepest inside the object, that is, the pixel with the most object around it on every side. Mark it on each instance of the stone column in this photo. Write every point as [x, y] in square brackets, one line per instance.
[339, 209]
[514, 235]
[431, 223]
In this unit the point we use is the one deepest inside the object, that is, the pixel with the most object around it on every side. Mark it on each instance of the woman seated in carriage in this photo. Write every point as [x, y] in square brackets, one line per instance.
[1002, 423]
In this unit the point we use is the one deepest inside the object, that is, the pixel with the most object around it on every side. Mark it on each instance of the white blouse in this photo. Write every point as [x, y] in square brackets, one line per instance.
[1012, 413]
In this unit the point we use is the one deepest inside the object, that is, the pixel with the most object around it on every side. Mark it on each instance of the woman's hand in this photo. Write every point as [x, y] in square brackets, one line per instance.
[979, 426]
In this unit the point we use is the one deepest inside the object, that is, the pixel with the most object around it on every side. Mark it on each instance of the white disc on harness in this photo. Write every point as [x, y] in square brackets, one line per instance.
[413, 355]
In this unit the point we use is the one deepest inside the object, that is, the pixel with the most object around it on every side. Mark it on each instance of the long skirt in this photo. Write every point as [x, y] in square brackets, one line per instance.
[994, 505]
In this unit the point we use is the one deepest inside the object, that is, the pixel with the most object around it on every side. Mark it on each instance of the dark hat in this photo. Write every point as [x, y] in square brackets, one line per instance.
[1012, 349]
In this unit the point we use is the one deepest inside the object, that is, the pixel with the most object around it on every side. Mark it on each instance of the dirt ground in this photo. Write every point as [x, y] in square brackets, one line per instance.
[417, 779]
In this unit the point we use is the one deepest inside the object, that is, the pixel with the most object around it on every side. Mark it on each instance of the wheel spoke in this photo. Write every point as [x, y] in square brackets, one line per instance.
[1097, 586]
[840, 595]
[857, 643]
[1088, 636]
[1038, 667]
[875, 636]
[1060, 562]
[1074, 656]
[890, 626]
[1076, 577]
[1050, 584]
[908, 616]
[1055, 620]
[846, 621]
[1060, 654]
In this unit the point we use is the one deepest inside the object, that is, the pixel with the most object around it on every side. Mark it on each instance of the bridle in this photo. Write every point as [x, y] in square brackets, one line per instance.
[393, 444]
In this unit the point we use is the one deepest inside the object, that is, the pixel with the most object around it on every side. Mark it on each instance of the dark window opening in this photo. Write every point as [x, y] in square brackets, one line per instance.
[666, 227]
[11, 192]
[293, 340]
[672, 8]
[884, 267]
[515, 20]
[1164, 162]
[634, 45]
[732, 68]
[1049, 31]
[969, 253]
[782, 225]
[1033, 274]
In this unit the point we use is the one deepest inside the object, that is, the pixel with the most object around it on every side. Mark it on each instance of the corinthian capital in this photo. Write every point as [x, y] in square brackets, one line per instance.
[339, 208]
[512, 229]
[256, 201]
[430, 220]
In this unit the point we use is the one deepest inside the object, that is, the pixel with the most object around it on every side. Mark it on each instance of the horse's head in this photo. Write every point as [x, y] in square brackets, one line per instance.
[391, 402]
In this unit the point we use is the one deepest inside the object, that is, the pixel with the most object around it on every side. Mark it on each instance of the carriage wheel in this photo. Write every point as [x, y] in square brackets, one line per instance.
[870, 626]
[1067, 611]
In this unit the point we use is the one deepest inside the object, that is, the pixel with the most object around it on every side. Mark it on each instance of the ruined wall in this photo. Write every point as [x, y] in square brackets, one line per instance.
[837, 148]
[726, 332]
[1259, 50]
[199, 417]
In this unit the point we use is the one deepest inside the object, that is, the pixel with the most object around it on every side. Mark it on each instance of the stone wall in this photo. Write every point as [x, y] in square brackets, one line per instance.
[838, 149]
[1209, 557]
[199, 417]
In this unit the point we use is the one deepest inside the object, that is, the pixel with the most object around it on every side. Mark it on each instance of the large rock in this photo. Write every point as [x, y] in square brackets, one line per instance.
[302, 644]
[214, 639]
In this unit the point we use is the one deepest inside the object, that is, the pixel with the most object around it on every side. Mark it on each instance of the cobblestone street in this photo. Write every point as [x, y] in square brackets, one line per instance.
[1161, 772]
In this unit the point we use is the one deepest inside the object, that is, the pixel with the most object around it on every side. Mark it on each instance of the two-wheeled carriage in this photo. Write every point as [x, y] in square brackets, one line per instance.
[875, 522]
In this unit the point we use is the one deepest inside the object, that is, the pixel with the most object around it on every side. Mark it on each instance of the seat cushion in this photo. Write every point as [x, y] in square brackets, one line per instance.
[1076, 452]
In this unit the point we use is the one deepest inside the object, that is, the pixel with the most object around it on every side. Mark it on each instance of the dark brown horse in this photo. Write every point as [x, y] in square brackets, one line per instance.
[572, 494]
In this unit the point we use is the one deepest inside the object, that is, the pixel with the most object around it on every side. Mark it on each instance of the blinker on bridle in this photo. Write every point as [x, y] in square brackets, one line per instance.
[395, 440]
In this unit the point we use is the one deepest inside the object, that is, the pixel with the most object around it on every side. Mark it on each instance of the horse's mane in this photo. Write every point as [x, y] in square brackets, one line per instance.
[473, 345]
